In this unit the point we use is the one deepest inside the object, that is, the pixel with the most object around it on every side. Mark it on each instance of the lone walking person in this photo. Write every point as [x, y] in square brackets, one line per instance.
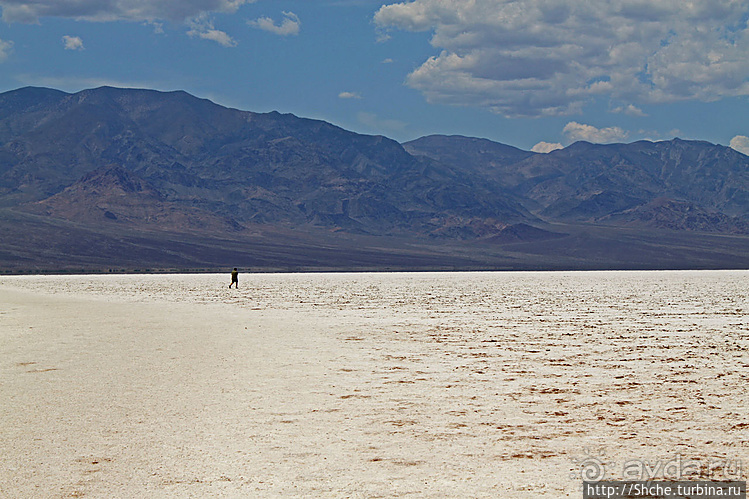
[234, 278]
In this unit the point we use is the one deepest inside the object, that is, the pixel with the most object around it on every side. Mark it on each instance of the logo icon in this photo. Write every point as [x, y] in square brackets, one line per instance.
[591, 467]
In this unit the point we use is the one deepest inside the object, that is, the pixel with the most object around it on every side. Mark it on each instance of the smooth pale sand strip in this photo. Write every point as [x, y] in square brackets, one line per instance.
[134, 400]
[114, 398]
[107, 399]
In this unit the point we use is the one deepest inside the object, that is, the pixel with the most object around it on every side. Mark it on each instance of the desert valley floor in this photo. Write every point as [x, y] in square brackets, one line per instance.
[476, 384]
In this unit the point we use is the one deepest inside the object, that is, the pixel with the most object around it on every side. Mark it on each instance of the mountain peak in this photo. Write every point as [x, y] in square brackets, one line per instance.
[23, 99]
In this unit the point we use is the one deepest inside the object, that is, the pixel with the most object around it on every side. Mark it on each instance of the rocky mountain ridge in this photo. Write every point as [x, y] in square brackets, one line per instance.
[614, 183]
[246, 167]
[157, 165]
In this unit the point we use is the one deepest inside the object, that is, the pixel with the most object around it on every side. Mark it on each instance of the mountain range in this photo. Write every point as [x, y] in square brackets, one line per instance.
[117, 179]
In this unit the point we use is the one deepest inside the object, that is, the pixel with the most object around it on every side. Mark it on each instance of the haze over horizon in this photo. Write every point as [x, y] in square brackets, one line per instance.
[536, 75]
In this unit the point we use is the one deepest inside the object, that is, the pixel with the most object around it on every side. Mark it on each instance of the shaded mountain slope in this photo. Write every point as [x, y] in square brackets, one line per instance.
[266, 168]
[115, 197]
[594, 183]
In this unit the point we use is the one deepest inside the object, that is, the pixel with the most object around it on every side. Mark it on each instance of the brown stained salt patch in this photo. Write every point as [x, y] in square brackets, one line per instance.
[169, 482]
[528, 455]
[406, 462]
[35, 370]
[42, 370]
[355, 395]
[93, 464]
[89, 468]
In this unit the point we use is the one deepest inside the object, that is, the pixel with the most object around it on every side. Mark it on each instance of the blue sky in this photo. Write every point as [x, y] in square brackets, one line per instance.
[536, 74]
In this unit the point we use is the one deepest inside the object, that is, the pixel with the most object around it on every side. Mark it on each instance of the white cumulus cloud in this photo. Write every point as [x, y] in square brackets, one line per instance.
[546, 147]
[25, 11]
[158, 28]
[551, 57]
[291, 25]
[740, 143]
[72, 42]
[349, 95]
[630, 110]
[578, 131]
[5, 48]
[202, 27]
